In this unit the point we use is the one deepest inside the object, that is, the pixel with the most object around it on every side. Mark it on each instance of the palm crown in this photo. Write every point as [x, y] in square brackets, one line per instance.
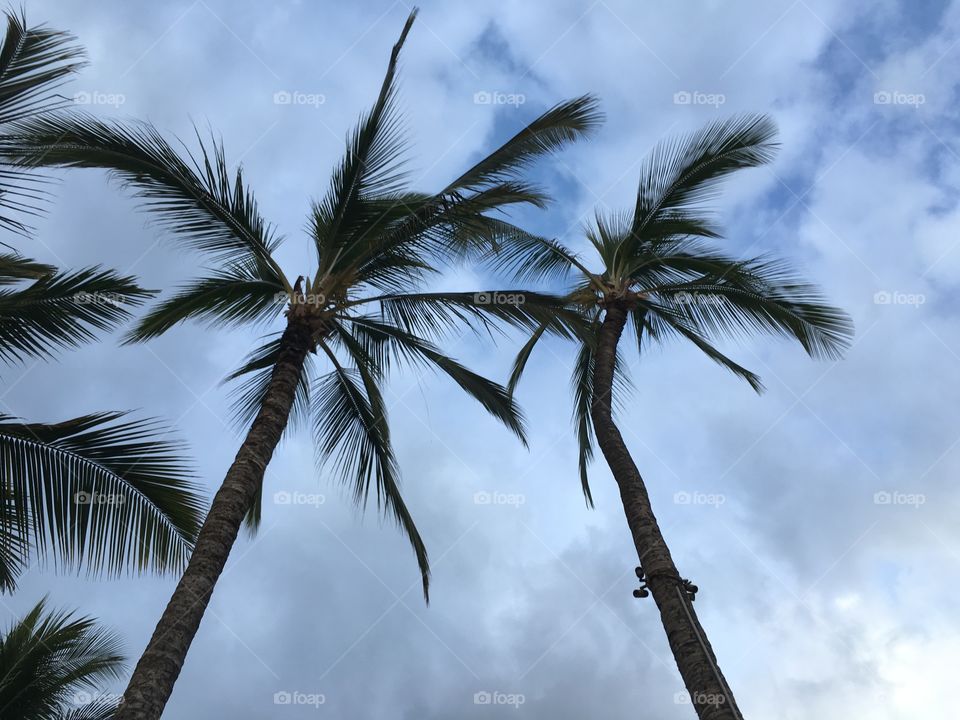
[363, 308]
[658, 263]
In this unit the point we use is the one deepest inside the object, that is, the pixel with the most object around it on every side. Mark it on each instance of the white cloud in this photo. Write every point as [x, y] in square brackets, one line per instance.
[819, 601]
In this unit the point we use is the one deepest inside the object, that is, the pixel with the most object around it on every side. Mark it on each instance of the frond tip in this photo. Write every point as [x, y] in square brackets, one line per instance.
[353, 438]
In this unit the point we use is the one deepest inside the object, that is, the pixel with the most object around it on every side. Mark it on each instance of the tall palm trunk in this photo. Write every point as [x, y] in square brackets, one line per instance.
[158, 668]
[708, 688]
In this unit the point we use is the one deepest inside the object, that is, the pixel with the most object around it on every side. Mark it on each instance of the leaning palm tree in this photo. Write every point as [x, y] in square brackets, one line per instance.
[660, 275]
[99, 491]
[52, 665]
[362, 309]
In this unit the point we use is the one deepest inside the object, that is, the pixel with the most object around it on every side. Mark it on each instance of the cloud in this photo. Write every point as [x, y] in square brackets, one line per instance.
[818, 595]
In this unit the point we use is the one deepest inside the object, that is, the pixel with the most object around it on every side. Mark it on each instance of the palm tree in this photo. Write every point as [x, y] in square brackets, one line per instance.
[49, 660]
[100, 490]
[361, 309]
[660, 274]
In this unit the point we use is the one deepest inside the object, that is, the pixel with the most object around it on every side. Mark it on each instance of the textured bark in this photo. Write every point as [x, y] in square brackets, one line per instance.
[698, 667]
[158, 668]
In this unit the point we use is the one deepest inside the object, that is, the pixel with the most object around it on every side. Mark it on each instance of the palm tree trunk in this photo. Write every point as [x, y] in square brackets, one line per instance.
[708, 688]
[158, 668]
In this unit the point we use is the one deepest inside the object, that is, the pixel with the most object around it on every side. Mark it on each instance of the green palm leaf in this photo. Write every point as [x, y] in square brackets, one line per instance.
[371, 338]
[34, 62]
[353, 439]
[683, 172]
[372, 167]
[197, 199]
[14, 267]
[62, 310]
[581, 382]
[437, 313]
[236, 295]
[561, 125]
[760, 296]
[99, 709]
[47, 657]
[97, 491]
[664, 322]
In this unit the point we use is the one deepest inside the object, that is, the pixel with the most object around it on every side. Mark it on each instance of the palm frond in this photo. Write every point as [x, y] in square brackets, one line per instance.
[372, 167]
[63, 310]
[98, 709]
[238, 294]
[523, 257]
[561, 125]
[198, 199]
[47, 656]
[761, 295]
[100, 492]
[523, 357]
[668, 323]
[372, 343]
[352, 436]
[455, 221]
[14, 543]
[34, 62]
[14, 267]
[581, 382]
[432, 314]
[682, 173]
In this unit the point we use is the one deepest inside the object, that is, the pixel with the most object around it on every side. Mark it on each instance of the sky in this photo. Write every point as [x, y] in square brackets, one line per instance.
[818, 520]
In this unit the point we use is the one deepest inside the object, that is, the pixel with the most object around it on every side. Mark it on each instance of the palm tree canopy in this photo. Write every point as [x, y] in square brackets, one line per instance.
[660, 263]
[47, 658]
[377, 241]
